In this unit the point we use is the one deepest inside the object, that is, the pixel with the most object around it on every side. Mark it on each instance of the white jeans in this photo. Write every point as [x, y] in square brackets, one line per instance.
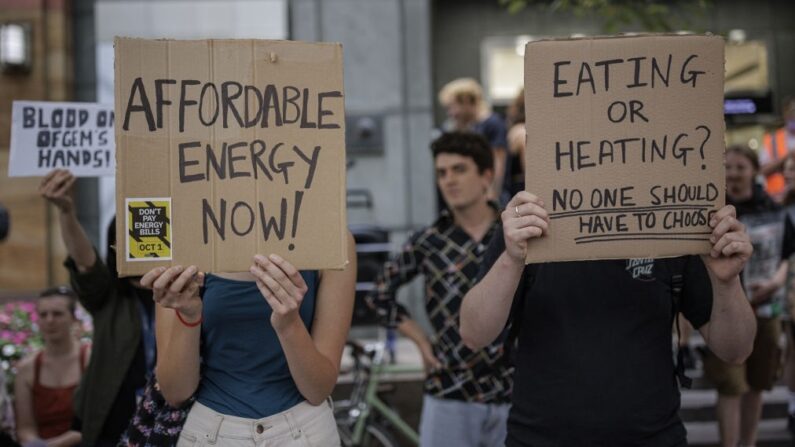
[303, 425]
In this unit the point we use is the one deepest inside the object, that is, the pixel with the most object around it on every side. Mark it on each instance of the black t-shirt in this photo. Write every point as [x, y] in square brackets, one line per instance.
[594, 362]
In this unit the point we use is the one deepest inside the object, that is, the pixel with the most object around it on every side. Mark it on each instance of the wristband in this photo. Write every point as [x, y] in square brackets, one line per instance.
[182, 320]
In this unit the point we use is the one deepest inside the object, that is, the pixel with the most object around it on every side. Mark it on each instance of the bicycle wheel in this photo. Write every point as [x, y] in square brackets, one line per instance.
[377, 435]
[345, 422]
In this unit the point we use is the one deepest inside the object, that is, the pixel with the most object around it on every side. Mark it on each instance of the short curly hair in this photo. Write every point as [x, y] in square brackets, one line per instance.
[466, 144]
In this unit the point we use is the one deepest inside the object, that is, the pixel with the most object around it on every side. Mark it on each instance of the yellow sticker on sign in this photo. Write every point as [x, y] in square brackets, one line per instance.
[148, 229]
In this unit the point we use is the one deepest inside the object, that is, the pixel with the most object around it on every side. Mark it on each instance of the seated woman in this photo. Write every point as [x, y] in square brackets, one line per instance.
[46, 380]
[260, 350]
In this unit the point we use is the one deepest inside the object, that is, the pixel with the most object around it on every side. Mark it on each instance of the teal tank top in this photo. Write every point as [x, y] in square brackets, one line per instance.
[244, 371]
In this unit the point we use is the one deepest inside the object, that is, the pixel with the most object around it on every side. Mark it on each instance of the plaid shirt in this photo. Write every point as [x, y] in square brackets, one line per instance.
[449, 259]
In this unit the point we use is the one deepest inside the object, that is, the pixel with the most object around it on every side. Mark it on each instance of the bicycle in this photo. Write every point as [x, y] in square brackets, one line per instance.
[365, 420]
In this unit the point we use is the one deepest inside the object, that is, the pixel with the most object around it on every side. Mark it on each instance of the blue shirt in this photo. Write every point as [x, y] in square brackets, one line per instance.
[244, 371]
[493, 128]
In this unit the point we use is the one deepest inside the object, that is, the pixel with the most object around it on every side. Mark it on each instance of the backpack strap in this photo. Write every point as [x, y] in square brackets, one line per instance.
[677, 285]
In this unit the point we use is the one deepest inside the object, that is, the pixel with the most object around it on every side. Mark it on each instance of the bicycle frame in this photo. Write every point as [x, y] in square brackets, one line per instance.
[374, 403]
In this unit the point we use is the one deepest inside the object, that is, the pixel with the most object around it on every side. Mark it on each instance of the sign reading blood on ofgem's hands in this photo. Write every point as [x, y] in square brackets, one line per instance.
[625, 144]
[229, 148]
[61, 135]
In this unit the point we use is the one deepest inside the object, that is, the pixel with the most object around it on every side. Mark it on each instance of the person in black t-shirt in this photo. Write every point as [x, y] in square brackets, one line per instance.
[594, 363]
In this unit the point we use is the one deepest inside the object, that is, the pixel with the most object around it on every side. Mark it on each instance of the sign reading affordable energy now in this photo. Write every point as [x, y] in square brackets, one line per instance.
[148, 229]
[247, 140]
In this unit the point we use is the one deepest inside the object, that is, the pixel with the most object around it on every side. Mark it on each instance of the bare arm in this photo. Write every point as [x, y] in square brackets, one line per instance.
[396, 272]
[500, 157]
[486, 306]
[517, 137]
[762, 292]
[56, 187]
[414, 332]
[313, 360]
[177, 370]
[68, 439]
[732, 326]
[23, 402]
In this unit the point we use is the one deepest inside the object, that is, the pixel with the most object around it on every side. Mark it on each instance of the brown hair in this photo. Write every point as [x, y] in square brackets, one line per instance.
[466, 144]
[746, 152]
[516, 110]
[64, 292]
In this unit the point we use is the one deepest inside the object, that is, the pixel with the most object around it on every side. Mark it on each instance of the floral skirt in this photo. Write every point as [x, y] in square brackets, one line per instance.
[155, 422]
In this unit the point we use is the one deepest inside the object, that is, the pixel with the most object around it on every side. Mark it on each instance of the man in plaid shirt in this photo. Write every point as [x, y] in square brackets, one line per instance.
[467, 392]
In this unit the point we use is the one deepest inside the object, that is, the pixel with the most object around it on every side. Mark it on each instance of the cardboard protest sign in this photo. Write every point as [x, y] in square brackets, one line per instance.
[625, 144]
[226, 149]
[67, 135]
[766, 231]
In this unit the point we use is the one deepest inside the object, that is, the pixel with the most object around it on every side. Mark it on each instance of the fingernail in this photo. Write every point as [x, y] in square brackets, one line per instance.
[276, 258]
[178, 268]
[252, 269]
[192, 270]
[259, 258]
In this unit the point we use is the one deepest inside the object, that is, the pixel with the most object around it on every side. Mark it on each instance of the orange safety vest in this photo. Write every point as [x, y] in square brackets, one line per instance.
[776, 147]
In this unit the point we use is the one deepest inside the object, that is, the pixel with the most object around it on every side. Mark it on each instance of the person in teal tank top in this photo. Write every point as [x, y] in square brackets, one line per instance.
[260, 350]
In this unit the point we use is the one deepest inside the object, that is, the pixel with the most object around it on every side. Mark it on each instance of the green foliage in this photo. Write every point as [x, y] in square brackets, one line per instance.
[650, 15]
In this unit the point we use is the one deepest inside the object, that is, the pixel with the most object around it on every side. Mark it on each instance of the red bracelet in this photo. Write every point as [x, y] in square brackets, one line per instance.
[182, 320]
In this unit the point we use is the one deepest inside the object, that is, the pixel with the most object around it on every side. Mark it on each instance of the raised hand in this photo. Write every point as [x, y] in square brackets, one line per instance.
[731, 245]
[176, 288]
[56, 187]
[524, 218]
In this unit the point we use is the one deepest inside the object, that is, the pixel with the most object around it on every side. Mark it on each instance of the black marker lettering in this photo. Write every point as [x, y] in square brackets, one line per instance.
[558, 82]
[138, 86]
[159, 100]
[228, 104]
[207, 213]
[184, 102]
[321, 112]
[184, 163]
[636, 79]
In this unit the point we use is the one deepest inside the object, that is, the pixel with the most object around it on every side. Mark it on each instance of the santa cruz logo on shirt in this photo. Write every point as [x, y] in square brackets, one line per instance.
[641, 269]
